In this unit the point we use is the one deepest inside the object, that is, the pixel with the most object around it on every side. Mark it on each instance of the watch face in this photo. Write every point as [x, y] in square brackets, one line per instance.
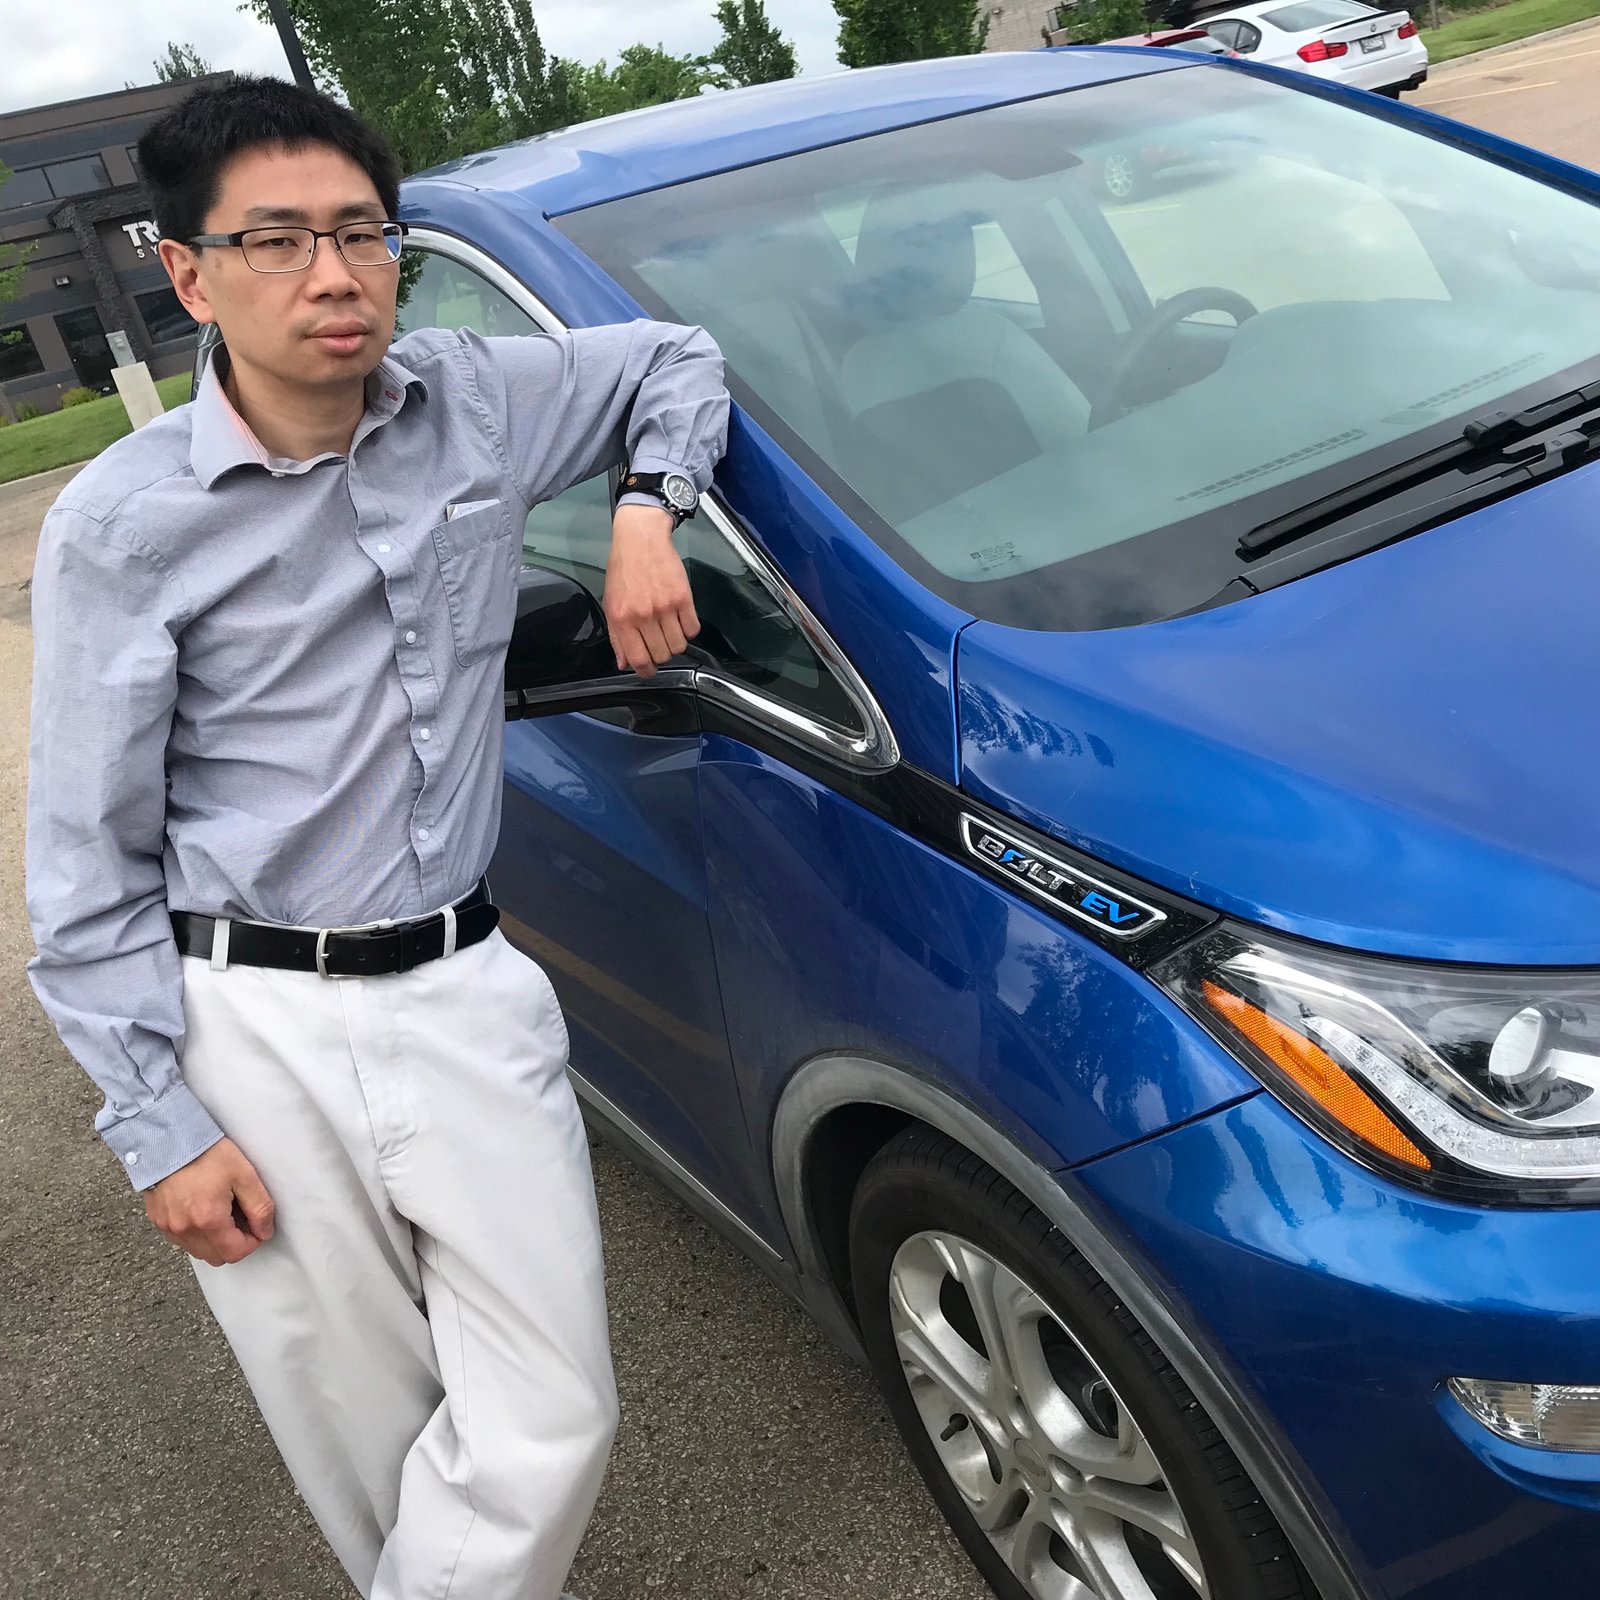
[680, 492]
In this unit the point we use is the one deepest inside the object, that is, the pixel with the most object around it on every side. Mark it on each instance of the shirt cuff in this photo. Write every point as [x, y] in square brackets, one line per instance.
[637, 499]
[169, 1133]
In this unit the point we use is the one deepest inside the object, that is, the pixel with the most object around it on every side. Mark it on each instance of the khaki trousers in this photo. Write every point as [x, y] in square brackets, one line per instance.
[425, 1333]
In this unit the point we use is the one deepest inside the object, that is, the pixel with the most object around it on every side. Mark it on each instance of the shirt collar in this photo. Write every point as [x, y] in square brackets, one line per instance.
[220, 439]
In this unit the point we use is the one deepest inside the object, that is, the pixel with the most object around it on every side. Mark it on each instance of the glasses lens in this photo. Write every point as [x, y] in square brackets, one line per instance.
[277, 249]
[370, 244]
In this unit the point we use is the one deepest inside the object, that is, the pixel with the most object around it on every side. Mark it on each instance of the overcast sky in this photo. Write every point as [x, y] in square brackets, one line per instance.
[64, 50]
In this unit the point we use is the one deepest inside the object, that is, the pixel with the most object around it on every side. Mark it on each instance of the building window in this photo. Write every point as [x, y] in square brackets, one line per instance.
[164, 316]
[18, 357]
[77, 177]
[133, 158]
[25, 188]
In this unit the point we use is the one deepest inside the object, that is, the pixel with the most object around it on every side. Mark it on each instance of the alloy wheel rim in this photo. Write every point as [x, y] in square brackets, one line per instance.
[1049, 1462]
[1119, 176]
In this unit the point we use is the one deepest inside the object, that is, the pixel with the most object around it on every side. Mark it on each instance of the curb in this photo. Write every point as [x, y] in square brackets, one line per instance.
[38, 480]
[1516, 44]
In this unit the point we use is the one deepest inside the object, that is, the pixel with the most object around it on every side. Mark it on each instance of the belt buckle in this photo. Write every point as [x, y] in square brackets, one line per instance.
[324, 934]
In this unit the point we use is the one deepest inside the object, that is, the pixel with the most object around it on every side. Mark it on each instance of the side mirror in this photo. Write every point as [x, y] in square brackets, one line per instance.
[559, 635]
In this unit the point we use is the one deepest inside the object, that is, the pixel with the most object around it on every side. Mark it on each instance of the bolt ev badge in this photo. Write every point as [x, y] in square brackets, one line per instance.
[1065, 888]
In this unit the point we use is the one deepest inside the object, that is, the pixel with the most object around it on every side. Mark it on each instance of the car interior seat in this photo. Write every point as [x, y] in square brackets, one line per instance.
[948, 394]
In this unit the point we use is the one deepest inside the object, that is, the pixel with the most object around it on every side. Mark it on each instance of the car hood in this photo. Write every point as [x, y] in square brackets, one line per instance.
[1399, 754]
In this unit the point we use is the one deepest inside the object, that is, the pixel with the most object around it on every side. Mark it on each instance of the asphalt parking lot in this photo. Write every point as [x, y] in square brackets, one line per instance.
[1544, 94]
[752, 1461]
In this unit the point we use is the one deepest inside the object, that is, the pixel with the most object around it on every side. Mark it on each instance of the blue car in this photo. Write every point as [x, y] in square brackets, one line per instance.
[1107, 910]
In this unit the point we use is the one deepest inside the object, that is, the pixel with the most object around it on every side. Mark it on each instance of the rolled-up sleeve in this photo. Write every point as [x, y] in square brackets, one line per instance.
[649, 393]
[106, 612]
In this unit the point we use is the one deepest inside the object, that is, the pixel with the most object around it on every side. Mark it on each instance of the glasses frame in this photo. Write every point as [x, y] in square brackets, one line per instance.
[390, 226]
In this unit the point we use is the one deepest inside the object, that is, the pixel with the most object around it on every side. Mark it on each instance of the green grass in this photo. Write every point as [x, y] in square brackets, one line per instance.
[78, 434]
[1502, 25]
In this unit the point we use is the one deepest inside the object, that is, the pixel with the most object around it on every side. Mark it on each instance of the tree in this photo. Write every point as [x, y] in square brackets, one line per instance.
[181, 63]
[752, 50]
[872, 32]
[439, 78]
[645, 75]
[1095, 21]
[13, 265]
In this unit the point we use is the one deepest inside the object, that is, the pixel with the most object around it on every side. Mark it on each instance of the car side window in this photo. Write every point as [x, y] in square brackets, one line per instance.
[745, 631]
[436, 292]
[1224, 33]
[1248, 38]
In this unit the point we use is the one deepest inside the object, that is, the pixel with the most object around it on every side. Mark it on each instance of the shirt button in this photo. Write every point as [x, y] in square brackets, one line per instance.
[422, 833]
[383, 549]
[411, 635]
[425, 733]
[132, 1158]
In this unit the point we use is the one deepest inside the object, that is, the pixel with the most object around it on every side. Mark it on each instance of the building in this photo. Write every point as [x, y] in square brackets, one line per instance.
[75, 194]
[1024, 24]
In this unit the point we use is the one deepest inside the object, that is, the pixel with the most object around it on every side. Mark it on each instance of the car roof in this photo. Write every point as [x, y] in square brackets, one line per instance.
[593, 162]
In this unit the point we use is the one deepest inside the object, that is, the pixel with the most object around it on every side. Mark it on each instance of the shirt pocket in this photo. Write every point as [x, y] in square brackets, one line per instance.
[478, 567]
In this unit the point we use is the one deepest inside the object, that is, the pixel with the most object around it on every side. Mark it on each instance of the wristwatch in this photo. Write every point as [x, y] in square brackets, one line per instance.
[672, 489]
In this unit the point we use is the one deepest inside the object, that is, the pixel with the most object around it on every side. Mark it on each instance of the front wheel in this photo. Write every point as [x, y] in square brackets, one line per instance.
[1071, 1460]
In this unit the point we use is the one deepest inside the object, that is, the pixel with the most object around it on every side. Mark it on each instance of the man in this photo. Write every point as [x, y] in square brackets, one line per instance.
[269, 636]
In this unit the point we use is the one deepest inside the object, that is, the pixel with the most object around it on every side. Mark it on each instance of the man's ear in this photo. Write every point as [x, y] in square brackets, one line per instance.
[183, 267]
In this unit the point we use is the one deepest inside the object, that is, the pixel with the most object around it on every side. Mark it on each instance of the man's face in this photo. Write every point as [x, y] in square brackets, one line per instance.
[328, 325]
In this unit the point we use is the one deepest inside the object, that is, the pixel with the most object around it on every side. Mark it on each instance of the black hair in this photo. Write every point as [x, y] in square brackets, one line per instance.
[181, 156]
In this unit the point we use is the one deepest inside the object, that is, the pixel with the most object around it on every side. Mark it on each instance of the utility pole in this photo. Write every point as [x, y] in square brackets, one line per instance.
[291, 43]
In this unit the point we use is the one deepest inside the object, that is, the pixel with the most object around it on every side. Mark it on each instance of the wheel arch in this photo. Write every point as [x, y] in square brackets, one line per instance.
[837, 1111]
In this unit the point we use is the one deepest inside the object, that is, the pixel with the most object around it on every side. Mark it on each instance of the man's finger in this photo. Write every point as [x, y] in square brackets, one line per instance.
[672, 636]
[656, 642]
[251, 1197]
[688, 619]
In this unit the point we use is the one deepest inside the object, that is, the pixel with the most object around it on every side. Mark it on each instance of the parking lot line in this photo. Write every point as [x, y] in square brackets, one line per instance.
[1488, 94]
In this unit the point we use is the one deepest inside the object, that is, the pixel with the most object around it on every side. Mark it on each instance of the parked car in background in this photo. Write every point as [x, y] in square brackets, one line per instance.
[1341, 40]
[1107, 911]
[1126, 172]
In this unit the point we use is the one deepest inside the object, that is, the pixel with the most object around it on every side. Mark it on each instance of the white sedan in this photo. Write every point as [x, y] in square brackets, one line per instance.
[1343, 40]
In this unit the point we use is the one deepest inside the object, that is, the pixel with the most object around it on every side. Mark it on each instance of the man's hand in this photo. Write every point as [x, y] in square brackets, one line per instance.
[216, 1208]
[649, 610]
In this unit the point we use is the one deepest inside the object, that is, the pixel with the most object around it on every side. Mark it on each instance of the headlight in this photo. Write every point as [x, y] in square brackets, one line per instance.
[1473, 1080]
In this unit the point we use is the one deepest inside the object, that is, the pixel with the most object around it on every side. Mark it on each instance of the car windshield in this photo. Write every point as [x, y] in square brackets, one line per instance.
[1311, 14]
[1058, 410]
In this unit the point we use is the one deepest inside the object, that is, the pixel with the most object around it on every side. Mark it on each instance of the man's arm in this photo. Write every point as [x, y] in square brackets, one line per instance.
[105, 611]
[646, 393]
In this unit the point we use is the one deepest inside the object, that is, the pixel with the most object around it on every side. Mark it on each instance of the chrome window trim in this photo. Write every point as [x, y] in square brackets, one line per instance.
[875, 750]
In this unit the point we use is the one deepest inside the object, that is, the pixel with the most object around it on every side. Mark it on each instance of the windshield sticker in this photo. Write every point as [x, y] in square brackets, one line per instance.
[996, 555]
[1336, 442]
[1112, 910]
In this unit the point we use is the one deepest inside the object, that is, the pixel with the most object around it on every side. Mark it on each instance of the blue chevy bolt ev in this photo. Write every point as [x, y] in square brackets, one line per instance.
[1108, 908]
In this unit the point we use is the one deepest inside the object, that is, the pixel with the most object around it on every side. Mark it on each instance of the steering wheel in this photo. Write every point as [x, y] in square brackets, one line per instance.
[1156, 327]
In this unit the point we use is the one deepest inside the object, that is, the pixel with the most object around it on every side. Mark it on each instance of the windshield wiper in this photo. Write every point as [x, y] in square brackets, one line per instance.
[1505, 444]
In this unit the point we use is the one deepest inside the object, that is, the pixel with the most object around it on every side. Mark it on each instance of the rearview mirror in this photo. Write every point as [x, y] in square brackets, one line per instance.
[560, 633]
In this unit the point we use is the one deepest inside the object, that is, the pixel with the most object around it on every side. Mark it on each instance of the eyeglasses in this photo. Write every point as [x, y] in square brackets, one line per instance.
[362, 244]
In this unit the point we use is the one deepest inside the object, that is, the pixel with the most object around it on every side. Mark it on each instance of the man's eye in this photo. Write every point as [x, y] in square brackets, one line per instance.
[361, 236]
[278, 241]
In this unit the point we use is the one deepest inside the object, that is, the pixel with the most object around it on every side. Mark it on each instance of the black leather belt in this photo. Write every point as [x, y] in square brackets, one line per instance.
[360, 952]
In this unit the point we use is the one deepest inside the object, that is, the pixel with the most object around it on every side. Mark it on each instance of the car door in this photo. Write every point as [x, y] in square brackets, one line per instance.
[601, 868]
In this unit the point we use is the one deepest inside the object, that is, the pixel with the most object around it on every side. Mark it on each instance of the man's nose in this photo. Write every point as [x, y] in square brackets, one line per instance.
[329, 272]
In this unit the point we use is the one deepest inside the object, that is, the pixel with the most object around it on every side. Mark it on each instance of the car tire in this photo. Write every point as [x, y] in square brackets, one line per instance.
[1082, 1426]
[1123, 176]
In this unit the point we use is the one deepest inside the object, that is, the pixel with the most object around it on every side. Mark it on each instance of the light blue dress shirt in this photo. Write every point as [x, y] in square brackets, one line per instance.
[272, 690]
